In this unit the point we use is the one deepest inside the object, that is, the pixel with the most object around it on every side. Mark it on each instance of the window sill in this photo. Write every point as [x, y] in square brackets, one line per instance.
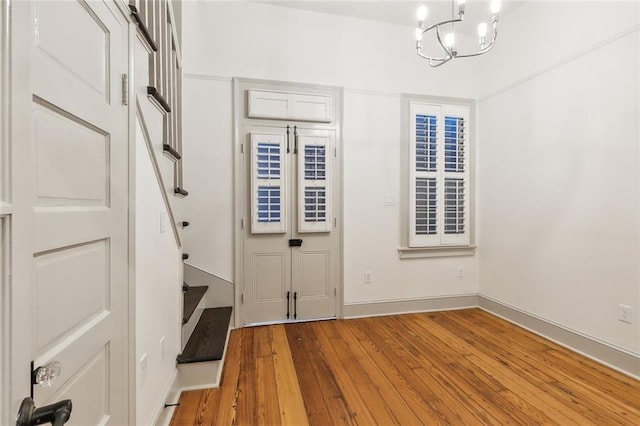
[442, 251]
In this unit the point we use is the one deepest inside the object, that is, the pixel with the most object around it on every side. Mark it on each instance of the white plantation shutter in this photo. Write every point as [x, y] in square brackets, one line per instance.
[314, 183]
[439, 175]
[268, 183]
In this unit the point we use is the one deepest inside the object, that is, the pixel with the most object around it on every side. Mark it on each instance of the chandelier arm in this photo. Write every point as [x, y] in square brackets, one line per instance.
[486, 49]
[440, 63]
[448, 21]
[444, 46]
[430, 58]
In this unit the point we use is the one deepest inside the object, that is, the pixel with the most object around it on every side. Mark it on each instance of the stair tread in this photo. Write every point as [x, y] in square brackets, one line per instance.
[208, 338]
[191, 298]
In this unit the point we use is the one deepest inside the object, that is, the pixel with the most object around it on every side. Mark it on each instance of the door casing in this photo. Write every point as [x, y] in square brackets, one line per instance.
[240, 87]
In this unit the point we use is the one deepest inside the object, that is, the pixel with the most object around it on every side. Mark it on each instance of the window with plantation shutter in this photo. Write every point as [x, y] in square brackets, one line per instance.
[268, 192]
[439, 175]
[314, 183]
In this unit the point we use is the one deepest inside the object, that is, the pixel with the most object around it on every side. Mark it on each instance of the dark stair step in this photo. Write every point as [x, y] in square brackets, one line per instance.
[208, 338]
[190, 298]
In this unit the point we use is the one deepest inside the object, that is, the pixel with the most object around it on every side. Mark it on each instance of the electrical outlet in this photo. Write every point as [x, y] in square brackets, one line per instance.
[143, 369]
[389, 200]
[625, 313]
[460, 272]
[367, 277]
[162, 348]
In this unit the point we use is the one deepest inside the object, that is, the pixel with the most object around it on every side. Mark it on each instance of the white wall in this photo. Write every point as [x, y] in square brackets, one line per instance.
[207, 159]
[374, 62]
[559, 167]
[158, 266]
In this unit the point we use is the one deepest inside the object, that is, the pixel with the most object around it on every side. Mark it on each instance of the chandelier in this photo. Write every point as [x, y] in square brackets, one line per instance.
[444, 33]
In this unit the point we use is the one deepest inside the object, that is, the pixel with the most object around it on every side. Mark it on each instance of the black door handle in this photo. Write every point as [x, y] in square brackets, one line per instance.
[295, 139]
[56, 414]
[295, 305]
[288, 302]
[288, 150]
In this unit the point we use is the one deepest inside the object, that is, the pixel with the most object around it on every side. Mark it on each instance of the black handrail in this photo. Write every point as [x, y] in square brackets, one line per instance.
[143, 28]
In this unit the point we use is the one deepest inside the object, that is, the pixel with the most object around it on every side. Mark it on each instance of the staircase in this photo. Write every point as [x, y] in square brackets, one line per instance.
[205, 331]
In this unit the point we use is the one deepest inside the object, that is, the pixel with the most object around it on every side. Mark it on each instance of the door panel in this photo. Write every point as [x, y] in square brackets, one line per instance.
[272, 268]
[61, 179]
[80, 249]
[89, 408]
[81, 49]
[315, 281]
[81, 272]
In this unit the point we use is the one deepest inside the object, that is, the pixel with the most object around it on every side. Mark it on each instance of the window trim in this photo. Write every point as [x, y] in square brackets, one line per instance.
[437, 250]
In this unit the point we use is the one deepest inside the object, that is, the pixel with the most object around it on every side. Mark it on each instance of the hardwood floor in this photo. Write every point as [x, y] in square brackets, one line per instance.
[457, 367]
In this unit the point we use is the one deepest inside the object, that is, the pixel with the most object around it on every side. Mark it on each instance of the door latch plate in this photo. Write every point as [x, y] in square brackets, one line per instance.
[296, 242]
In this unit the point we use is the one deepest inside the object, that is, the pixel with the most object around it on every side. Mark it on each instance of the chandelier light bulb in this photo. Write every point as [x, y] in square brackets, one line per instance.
[482, 30]
[495, 6]
[418, 34]
[422, 13]
[449, 40]
[461, 7]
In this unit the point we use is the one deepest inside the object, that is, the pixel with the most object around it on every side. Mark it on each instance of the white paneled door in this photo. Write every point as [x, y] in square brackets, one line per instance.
[79, 169]
[290, 241]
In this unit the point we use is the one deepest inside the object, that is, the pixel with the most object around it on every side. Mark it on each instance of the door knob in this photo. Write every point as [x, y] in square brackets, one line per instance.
[47, 374]
[56, 414]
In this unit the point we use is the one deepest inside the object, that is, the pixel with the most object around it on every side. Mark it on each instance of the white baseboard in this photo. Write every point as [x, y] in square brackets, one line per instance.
[162, 416]
[617, 358]
[395, 307]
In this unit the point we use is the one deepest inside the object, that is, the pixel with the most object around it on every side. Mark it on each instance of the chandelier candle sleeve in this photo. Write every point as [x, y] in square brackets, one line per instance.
[447, 42]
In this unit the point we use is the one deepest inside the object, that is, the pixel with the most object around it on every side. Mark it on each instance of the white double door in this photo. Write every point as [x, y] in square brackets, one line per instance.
[290, 240]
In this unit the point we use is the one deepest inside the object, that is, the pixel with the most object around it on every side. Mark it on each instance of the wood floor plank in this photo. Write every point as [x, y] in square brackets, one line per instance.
[585, 391]
[188, 408]
[328, 338]
[226, 412]
[323, 399]
[246, 398]
[462, 366]
[453, 371]
[292, 411]
[398, 375]
[416, 372]
[458, 367]
[382, 398]
[268, 406]
[209, 405]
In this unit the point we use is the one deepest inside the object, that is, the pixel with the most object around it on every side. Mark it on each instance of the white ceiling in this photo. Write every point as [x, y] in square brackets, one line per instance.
[397, 12]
